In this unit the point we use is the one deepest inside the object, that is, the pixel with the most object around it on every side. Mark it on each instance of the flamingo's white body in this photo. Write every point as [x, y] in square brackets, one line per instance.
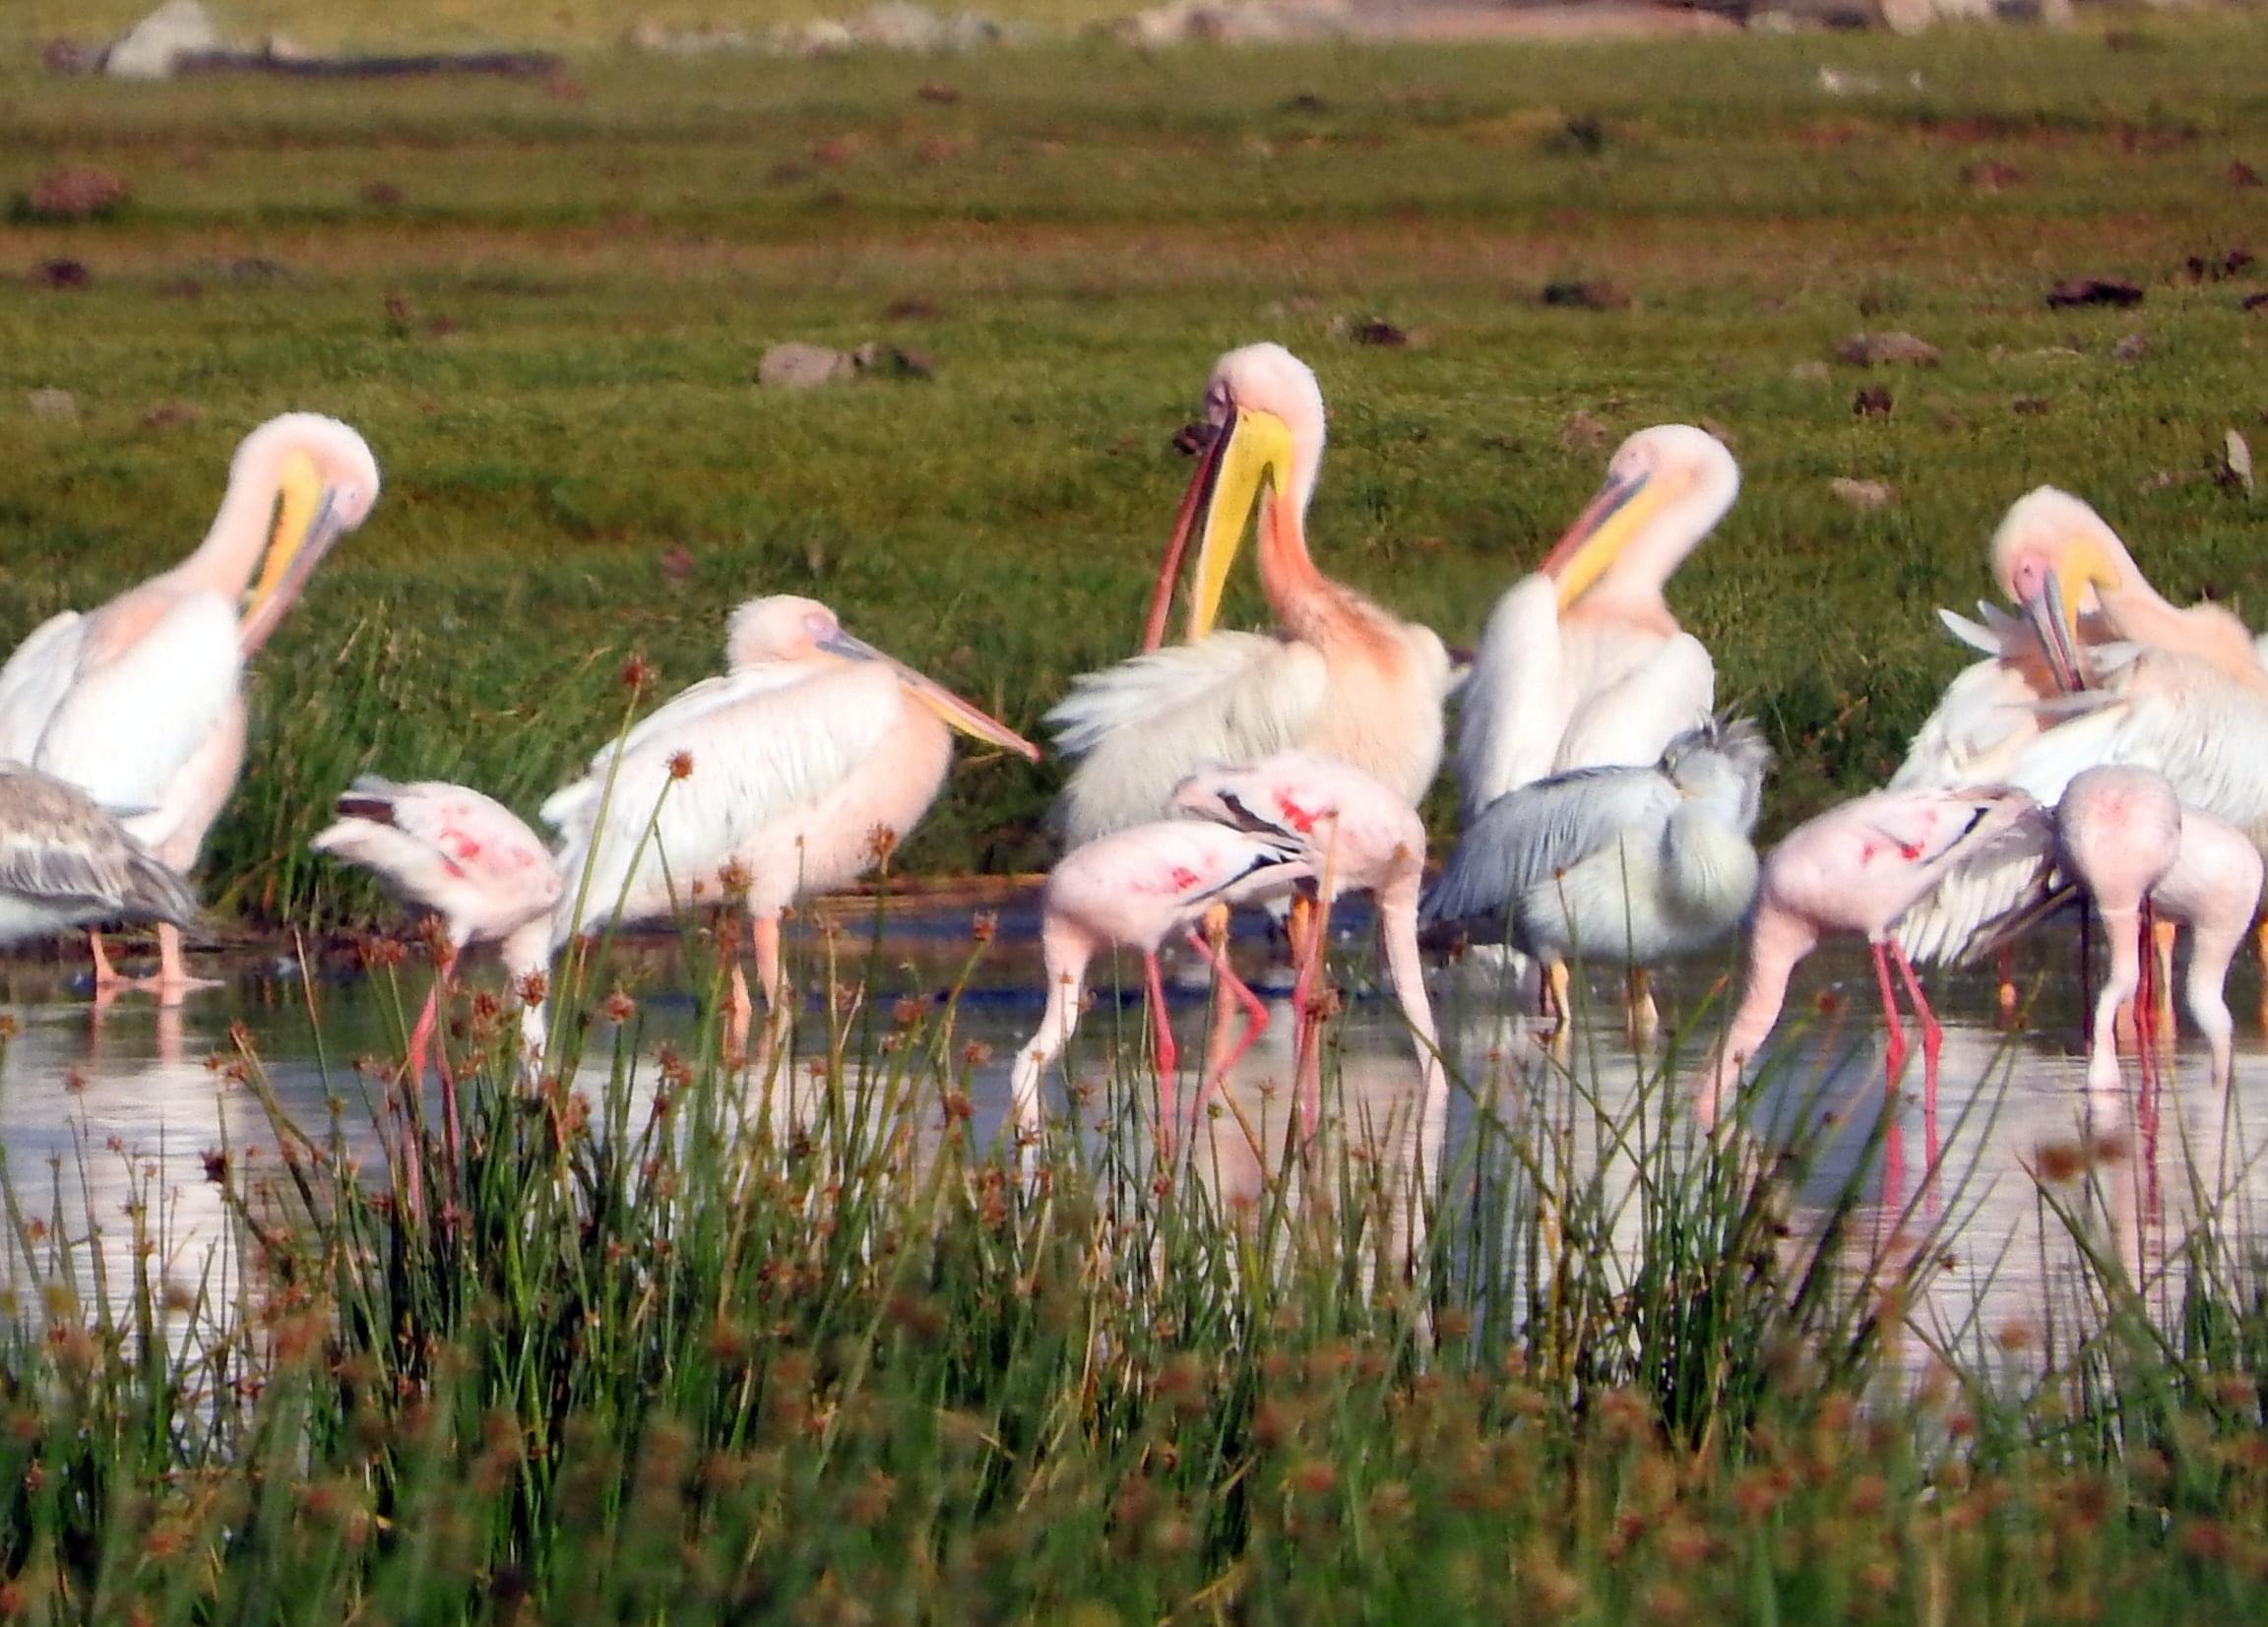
[1133, 889]
[139, 703]
[798, 769]
[1582, 665]
[1358, 836]
[1337, 675]
[464, 857]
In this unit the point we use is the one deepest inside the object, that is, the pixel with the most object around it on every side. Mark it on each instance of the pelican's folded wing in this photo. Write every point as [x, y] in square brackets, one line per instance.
[1527, 836]
[1146, 724]
[137, 713]
[34, 681]
[1634, 720]
[1510, 714]
[1997, 879]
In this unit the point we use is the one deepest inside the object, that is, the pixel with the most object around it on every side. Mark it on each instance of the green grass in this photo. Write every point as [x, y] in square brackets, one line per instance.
[593, 268]
[669, 1348]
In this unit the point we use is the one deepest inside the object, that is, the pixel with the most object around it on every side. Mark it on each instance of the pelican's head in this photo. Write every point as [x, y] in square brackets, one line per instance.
[325, 481]
[1724, 763]
[1266, 412]
[2055, 556]
[786, 628]
[1666, 488]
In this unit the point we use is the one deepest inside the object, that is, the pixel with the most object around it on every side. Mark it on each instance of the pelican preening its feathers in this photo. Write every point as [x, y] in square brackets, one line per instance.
[139, 703]
[2108, 741]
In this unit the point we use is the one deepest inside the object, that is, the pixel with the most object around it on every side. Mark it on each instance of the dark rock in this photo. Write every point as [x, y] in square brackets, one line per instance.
[170, 415]
[2254, 302]
[1872, 402]
[1377, 331]
[2028, 407]
[1194, 437]
[2243, 174]
[2094, 290]
[62, 274]
[1597, 296]
[382, 195]
[938, 91]
[912, 307]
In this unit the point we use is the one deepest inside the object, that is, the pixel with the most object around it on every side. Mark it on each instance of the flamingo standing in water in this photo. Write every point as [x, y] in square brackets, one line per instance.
[139, 703]
[1858, 868]
[1338, 675]
[468, 858]
[796, 770]
[1133, 889]
[1582, 665]
[1358, 836]
[64, 862]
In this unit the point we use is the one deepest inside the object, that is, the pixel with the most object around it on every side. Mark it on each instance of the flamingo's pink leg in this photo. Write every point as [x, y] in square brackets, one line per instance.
[1256, 1013]
[1933, 1037]
[1895, 1057]
[421, 1034]
[1161, 1032]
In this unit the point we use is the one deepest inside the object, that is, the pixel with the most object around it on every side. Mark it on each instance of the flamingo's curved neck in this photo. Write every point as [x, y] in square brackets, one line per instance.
[224, 561]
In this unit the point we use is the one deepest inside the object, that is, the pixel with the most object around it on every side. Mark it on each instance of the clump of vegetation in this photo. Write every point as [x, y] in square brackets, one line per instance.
[648, 1334]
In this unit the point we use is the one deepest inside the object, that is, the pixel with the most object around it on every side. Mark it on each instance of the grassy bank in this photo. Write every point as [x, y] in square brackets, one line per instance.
[543, 304]
[673, 1346]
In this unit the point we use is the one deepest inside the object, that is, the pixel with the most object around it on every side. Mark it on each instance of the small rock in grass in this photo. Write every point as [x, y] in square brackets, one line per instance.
[75, 192]
[795, 365]
[382, 195]
[2133, 347]
[2241, 174]
[1597, 296]
[170, 415]
[54, 406]
[2094, 290]
[1990, 175]
[1377, 331]
[62, 274]
[2254, 302]
[1880, 349]
[2028, 407]
[1862, 495]
[1194, 437]
[1872, 402]
[911, 308]
[1579, 432]
[2236, 462]
[938, 91]
[1809, 372]
[2214, 268]
[677, 564]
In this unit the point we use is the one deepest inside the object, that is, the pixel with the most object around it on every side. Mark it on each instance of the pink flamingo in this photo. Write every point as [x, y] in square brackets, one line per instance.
[471, 860]
[1858, 868]
[1134, 888]
[1358, 837]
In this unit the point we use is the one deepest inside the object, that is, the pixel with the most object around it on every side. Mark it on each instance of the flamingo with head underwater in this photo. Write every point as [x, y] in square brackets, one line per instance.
[140, 701]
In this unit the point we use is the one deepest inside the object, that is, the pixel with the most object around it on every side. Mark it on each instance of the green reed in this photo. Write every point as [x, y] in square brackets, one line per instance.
[670, 1338]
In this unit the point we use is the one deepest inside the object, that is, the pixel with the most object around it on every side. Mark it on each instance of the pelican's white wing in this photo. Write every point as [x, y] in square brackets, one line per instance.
[136, 714]
[1146, 724]
[2008, 873]
[2203, 731]
[1632, 720]
[699, 700]
[754, 761]
[1983, 722]
[34, 681]
[1512, 711]
[1526, 837]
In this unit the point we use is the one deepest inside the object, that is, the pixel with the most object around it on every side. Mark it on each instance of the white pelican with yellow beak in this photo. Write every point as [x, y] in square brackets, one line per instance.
[139, 703]
[1337, 675]
[1582, 665]
[799, 768]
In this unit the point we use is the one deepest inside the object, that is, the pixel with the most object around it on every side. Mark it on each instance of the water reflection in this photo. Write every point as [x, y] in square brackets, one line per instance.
[106, 1118]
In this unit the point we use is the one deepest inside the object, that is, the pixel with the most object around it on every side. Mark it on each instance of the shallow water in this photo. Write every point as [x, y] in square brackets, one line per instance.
[103, 1110]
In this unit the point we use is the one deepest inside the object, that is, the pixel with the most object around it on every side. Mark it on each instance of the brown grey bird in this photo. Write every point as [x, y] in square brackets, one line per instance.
[66, 863]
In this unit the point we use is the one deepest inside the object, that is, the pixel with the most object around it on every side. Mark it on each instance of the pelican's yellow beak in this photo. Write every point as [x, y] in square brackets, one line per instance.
[299, 498]
[1254, 450]
[1603, 528]
[2080, 571]
[957, 712]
